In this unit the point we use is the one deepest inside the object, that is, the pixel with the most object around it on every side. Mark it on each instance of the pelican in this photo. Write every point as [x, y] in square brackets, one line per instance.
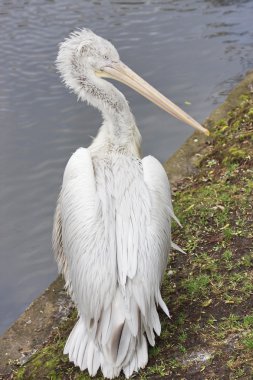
[112, 225]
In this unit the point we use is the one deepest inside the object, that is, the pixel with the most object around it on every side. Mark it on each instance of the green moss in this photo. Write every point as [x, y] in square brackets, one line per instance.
[248, 341]
[235, 155]
[154, 351]
[19, 374]
[245, 97]
[197, 286]
[158, 369]
[248, 321]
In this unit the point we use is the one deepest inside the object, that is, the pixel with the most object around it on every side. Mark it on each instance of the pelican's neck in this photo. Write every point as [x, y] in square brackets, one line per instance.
[119, 130]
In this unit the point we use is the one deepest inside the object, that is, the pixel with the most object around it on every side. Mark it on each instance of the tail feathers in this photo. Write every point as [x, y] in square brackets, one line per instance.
[132, 353]
[139, 359]
[115, 328]
[81, 350]
[120, 341]
[124, 345]
[109, 371]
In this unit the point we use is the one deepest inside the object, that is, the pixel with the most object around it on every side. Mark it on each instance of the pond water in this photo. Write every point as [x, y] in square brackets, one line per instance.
[192, 51]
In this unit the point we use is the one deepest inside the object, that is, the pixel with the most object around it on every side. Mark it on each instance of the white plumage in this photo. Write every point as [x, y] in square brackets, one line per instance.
[112, 223]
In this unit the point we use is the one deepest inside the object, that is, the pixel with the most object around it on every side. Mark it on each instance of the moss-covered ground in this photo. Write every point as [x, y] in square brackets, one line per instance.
[209, 291]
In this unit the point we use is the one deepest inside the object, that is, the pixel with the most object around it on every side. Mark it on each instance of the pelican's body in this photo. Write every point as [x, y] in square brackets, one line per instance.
[113, 219]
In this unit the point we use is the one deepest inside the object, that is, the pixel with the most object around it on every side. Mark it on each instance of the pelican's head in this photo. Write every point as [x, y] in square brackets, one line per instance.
[85, 59]
[82, 54]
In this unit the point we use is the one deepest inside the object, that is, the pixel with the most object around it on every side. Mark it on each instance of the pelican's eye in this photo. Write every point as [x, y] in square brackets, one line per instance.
[105, 57]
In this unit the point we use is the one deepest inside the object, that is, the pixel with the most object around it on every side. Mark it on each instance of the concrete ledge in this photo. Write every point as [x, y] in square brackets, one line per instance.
[34, 326]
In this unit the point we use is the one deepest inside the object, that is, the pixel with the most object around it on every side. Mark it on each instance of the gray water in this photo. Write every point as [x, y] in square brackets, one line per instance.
[193, 51]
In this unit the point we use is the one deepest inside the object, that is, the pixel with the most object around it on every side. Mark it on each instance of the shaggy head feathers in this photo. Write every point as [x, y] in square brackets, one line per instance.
[80, 55]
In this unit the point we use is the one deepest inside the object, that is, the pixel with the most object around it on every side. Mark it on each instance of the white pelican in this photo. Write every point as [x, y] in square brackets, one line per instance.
[112, 223]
